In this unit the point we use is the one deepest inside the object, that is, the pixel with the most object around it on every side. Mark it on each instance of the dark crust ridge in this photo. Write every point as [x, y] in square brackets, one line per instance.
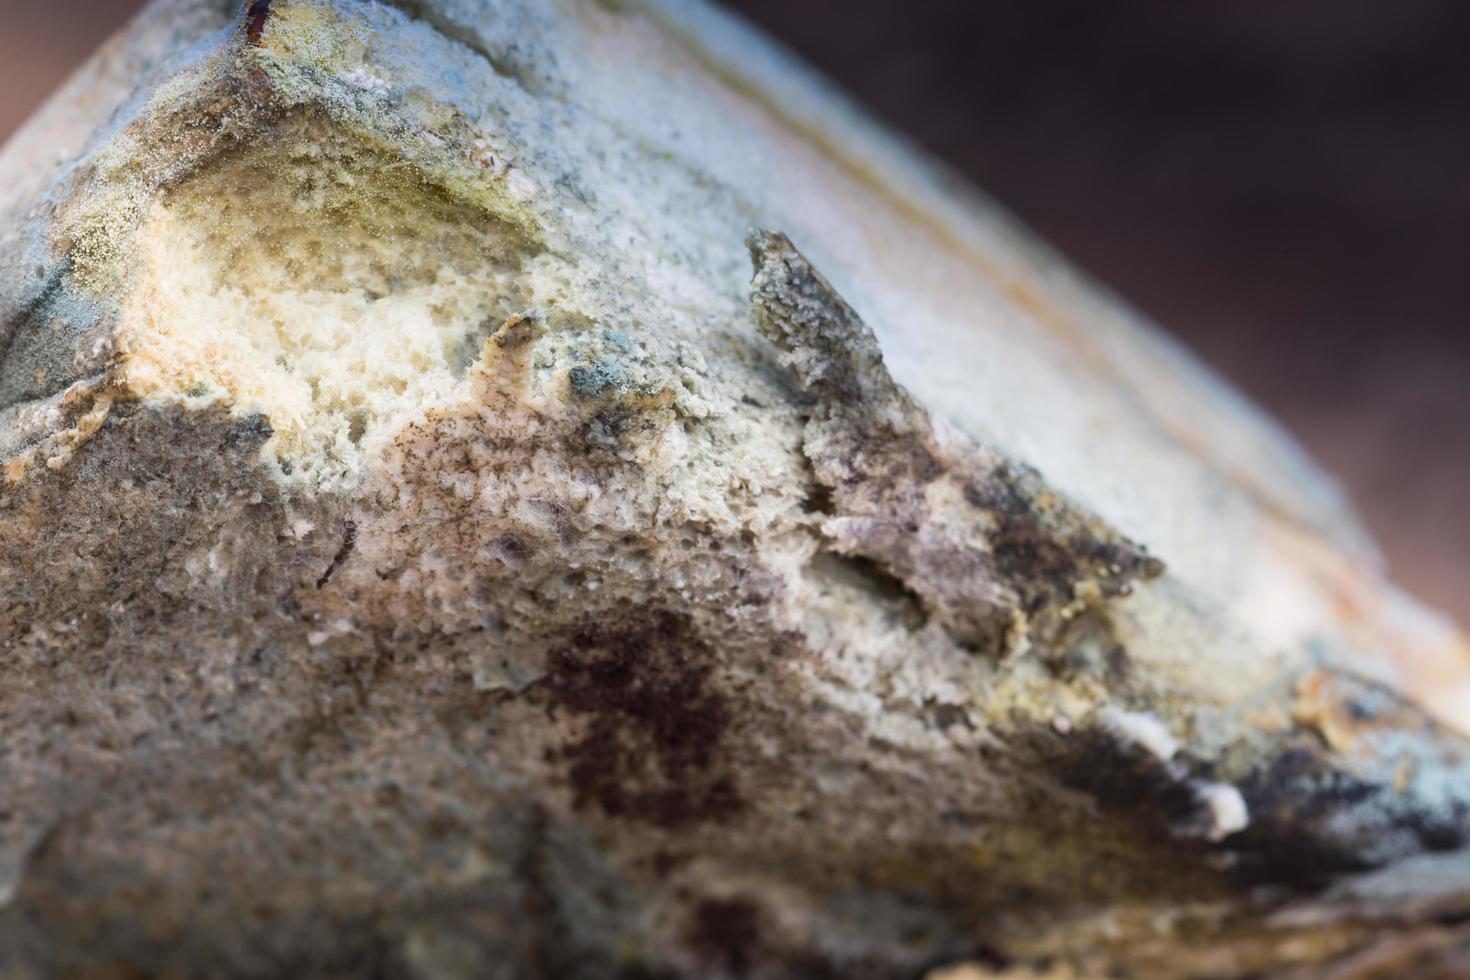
[914, 499]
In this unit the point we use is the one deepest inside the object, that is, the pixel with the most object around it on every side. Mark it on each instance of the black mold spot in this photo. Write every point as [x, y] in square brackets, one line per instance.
[597, 381]
[1119, 776]
[1041, 563]
[349, 541]
[656, 726]
[1131, 786]
[1041, 567]
[250, 434]
[726, 931]
[819, 501]
[734, 939]
[1311, 821]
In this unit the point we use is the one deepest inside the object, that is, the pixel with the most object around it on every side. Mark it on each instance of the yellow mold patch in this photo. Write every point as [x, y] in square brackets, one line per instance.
[317, 278]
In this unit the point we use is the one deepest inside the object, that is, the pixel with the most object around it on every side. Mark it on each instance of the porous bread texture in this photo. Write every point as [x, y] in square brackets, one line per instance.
[316, 278]
[472, 556]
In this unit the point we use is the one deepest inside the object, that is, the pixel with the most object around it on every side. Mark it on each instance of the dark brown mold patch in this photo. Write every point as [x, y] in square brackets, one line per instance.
[656, 725]
[734, 937]
[726, 932]
[256, 15]
[1122, 778]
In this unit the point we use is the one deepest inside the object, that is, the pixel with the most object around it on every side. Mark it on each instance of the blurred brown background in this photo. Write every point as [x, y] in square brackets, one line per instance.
[1281, 183]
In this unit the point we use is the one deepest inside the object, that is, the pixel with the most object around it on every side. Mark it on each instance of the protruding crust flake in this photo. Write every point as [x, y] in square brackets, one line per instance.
[993, 553]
